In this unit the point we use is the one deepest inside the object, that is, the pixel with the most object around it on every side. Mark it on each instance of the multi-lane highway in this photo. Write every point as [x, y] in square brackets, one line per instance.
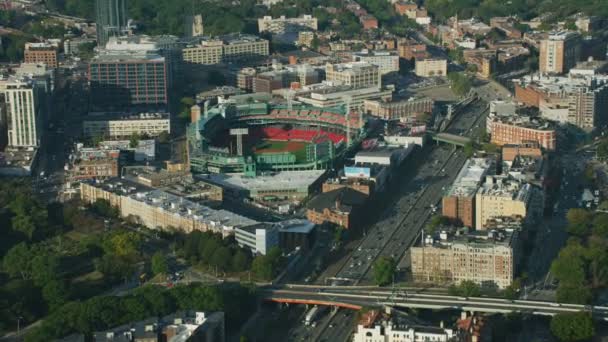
[401, 223]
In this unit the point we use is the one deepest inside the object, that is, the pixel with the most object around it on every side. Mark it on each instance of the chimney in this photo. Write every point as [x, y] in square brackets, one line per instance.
[195, 113]
[463, 315]
[441, 324]
[293, 60]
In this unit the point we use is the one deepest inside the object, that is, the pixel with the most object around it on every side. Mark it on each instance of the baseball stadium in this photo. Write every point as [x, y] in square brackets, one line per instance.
[258, 137]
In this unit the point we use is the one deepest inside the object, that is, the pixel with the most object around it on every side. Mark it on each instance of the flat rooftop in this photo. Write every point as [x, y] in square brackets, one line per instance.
[278, 180]
[470, 177]
[114, 116]
[175, 204]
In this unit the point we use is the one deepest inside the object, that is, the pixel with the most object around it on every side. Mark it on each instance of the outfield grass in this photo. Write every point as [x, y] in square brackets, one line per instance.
[298, 148]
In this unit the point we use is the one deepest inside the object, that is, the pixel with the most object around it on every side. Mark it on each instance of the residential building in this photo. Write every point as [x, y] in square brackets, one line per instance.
[305, 38]
[354, 74]
[429, 67]
[73, 45]
[399, 110]
[369, 22]
[244, 79]
[508, 128]
[143, 151]
[483, 59]
[559, 52]
[118, 125]
[386, 61]
[488, 258]
[412, 50]
[580, 100]
[42, 53]
[590, 67]
[474, 328]
[283, 25]
[412, 11]
[125, 75]
[341, 207]
[374, 328]
[94, 163]
[23, 104]
[530, 149]
[111, 19]
[226, 49]
[459, 201]
[501, 196]
[158, 209]
[260, 238]
[177, 327]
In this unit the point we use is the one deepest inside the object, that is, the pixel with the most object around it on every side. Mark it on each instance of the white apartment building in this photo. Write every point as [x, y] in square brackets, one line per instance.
[386, 61]
[282, 24]
[355, 74]
[225, 49]
[389, 332]
[23, 113]
[430, 67]
[119, 125]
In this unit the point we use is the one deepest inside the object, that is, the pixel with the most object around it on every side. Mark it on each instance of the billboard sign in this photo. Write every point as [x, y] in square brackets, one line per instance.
[357, 172]
[418, 129]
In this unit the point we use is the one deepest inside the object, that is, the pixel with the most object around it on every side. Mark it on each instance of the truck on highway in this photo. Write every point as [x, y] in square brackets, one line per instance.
[312, 314]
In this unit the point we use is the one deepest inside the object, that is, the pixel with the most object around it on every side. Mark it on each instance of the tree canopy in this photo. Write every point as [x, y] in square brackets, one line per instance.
[575, 326]
[384, 270]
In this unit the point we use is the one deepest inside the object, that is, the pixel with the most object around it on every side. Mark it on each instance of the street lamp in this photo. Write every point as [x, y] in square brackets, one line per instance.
[19, 325]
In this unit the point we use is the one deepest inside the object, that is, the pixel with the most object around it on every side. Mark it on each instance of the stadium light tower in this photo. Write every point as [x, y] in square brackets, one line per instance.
[347, 102]
[239, 132]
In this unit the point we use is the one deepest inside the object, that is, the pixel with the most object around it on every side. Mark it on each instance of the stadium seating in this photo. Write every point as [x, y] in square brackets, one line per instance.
[276, 133]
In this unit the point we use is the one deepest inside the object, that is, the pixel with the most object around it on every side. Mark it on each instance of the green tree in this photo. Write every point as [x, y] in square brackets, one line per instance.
[578, 221]
[573, 293]
[569, 266]
[469, 149]
[468, 288]
[17, 261]
[55, 293]
[262, 268]
[240, 261]
[221, 258]
[159, 263]
[602, 150]
[134, 140]
[600, 223]
[384, 270]
[575, 326]
[460, 83]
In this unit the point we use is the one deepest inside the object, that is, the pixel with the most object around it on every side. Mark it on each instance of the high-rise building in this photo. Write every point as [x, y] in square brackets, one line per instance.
[129, 73]
[111, 19]
[580, 100]
[559, 52]
[22, 102]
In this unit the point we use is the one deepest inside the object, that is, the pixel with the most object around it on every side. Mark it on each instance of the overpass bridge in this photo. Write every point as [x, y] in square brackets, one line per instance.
[356, 297]
[451, 139]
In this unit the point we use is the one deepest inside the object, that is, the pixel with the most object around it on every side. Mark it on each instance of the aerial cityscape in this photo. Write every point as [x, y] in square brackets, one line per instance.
[304, 170]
